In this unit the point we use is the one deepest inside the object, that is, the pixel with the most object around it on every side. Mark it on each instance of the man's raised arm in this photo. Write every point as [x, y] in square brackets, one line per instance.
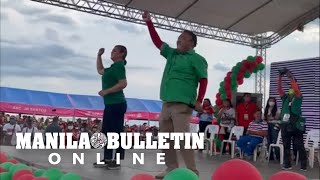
[202, 89]
[152, 31]
[294, 85]
[280, 90]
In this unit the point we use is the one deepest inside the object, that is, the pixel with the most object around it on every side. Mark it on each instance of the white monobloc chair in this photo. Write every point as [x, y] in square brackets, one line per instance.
[236, 131]
[311, 144]
[279, 145]
[213, 130]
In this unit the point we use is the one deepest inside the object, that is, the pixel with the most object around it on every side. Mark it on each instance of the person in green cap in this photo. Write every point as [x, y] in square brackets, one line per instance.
[113, 83]
[292, 122]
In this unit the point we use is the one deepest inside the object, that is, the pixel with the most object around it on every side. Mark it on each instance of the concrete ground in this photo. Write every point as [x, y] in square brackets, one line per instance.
[205, 163]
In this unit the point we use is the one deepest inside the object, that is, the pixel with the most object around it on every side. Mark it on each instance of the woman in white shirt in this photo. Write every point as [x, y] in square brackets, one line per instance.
[272, 113]
[227, 116]
[9, 130]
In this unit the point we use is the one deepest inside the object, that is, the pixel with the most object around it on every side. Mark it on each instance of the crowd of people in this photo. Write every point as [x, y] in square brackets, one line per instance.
[11, 124]
[182, 90]
[260, 123]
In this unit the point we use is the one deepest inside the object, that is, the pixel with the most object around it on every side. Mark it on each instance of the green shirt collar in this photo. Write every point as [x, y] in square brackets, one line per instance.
[192, 51]
[118, 63]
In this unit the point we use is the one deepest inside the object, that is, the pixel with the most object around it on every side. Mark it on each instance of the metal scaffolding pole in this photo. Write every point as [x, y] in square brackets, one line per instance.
[260, 78]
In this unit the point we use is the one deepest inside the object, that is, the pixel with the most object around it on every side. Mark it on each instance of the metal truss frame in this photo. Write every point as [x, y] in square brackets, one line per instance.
[125, 13]
[260, 77]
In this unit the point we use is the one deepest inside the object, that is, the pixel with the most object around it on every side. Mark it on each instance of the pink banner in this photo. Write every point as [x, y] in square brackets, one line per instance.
[36, 110]
[88, 113]
[64, 112]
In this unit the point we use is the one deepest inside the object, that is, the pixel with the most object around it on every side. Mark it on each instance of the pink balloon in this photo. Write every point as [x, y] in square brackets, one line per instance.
[287, 175]
[3, 157]
[142, 177]
[13, 161]
[2, 170]
[20, 173]
[236, 169]
[26, 177]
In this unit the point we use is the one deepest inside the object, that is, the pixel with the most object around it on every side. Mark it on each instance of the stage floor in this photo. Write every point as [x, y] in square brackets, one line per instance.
[206, 164]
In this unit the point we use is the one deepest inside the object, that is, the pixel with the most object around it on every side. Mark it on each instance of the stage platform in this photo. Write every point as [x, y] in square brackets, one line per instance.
[205, 163]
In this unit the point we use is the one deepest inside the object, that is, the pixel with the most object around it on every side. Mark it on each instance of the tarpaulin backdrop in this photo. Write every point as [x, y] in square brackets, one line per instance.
[70, 105]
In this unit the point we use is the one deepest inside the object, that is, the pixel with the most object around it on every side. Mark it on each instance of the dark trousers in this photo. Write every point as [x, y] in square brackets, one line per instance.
[272, 137]
[203, 125]
[297, 137]
[113, 120]
[248, 143]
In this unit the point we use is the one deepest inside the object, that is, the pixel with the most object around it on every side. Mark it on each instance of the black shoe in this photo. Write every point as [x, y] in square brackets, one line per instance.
[113, 165]
[287, 167]
[106, 163]
[303, 167]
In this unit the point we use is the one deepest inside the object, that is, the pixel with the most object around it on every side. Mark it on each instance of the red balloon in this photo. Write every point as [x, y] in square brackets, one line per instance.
[229, 74]
[26, 177]
[246, 64]
[259, 59]
[142, 177]
[227, 86]
[20, 173]
[218, 102]
[218, 96]
[229, 94]
[240, 82]
[3, 157]
[227, 80]
[2, 170]
[240, 75]
[287, 175]
[243, 69]
[230, 170]
[13, 161]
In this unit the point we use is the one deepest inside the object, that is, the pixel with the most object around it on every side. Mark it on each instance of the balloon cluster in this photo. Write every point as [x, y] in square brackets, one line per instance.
[235, 78]
[229, 170]
[11, 169]
[179, 173]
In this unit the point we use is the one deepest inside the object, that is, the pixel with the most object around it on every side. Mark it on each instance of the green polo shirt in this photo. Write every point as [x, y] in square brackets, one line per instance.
[111, 77]
[296, 104]
[181, 75]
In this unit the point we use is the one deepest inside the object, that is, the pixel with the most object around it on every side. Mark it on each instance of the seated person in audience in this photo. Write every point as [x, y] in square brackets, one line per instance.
[272, 113]
[257, 130]
[227, 117]
[206, 116]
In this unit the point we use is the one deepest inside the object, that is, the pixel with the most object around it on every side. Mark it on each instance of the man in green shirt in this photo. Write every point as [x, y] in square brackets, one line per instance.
[184, 70]
[113, 83]
[292, 123]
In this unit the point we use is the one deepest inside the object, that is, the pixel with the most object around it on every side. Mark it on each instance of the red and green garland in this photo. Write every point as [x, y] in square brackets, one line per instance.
[235, 77]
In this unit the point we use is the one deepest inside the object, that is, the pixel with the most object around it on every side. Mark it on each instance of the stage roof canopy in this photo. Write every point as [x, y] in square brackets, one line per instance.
[255, 23]
[245, 16]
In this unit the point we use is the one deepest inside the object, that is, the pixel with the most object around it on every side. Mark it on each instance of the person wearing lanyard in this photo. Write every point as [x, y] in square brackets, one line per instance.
[245, 112]
[292, 124]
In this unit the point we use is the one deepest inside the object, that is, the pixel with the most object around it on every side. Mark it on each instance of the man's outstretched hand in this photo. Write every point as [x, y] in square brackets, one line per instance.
[146, 16]
[198, 107]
